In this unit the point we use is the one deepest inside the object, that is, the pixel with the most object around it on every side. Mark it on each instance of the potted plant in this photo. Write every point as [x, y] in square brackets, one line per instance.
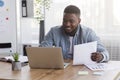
[16, 64]
[40, 6]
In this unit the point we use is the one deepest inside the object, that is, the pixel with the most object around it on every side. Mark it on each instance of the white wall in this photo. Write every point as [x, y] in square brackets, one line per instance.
[53, 16]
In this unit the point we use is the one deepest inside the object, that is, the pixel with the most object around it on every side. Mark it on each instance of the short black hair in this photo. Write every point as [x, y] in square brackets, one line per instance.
[72, 9]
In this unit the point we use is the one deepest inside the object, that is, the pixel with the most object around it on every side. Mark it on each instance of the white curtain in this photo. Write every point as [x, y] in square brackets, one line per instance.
[103, 16]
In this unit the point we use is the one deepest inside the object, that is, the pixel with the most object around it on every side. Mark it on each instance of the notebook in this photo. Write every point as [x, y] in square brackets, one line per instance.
[45, 57]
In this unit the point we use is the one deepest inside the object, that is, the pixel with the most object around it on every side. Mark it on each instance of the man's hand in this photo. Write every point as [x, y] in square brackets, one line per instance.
[96, 56]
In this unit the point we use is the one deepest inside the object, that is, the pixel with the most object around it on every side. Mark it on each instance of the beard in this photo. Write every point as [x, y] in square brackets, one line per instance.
[69, 31]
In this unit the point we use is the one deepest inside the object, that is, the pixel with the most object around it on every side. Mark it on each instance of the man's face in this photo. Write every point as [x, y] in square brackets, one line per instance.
[70, 22]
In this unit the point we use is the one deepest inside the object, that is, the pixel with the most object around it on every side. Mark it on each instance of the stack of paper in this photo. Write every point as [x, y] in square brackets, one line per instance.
[96, 66]
[111, 65]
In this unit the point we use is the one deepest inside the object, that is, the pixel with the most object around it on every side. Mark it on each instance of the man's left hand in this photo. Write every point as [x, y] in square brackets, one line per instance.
[97, 57]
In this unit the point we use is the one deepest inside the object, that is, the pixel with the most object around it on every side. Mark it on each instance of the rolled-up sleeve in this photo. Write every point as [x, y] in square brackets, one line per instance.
[48, 40]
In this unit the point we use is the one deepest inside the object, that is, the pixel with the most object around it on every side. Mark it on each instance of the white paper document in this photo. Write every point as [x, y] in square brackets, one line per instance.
[103, 66]
[97, 66]
[82, 53]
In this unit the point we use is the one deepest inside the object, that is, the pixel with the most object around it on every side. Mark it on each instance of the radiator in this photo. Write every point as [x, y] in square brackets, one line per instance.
[113, 47]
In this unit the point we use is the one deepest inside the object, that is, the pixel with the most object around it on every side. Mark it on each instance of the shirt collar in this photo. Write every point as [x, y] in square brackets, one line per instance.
[78, 30]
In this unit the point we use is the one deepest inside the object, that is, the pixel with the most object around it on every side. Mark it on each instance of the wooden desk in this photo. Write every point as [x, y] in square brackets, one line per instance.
[70, 73]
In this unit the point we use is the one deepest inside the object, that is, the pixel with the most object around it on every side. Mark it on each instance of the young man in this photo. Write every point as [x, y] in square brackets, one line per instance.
[71, 33]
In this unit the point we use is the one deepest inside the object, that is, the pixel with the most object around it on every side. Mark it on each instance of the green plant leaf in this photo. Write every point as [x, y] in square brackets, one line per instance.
[16, 57]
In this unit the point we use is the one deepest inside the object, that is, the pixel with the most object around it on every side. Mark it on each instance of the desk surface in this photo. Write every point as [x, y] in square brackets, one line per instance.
[69, 73]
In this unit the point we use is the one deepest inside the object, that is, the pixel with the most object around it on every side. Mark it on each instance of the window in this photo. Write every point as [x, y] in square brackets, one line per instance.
[116, 12]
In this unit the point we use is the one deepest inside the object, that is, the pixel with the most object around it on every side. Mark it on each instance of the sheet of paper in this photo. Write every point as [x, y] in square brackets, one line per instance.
[82, 53]
[96, 66]
[103, 66]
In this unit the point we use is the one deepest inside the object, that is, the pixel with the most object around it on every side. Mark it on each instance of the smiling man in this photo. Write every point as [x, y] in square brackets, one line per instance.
[71, 33]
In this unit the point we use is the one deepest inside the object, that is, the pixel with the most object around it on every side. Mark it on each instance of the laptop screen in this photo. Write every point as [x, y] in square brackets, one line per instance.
[45, 57]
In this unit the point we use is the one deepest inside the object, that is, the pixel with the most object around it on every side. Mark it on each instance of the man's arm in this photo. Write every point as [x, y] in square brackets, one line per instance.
[48, 40]
[102, 54]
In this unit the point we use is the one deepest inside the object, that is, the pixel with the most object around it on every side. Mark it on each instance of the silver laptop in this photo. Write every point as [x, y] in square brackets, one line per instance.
[45, 57]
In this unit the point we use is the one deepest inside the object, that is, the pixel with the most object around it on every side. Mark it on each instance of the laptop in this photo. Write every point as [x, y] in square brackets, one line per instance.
[45, 57]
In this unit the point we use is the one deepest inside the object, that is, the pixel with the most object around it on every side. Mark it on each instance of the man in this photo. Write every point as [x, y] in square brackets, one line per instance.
[71, 33]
